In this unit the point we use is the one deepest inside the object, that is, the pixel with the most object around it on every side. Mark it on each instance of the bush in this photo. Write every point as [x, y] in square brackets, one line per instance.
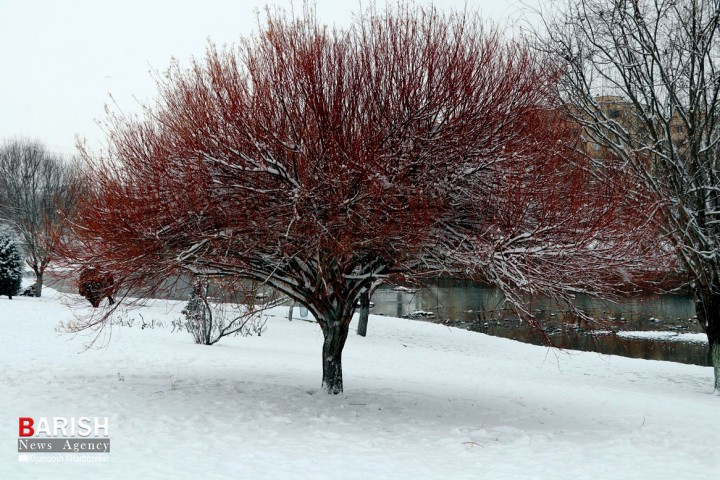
[10, 264]
[209, 323]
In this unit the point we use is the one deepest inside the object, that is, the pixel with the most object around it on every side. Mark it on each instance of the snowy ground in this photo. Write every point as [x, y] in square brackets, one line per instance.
[422, 401]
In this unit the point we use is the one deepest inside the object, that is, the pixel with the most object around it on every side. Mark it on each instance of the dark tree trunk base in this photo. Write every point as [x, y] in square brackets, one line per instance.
[38, 284]
[715, 356]
[336, 333]
[707, 309]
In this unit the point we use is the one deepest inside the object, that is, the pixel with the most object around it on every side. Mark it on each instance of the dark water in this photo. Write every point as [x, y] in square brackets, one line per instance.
[477, 308]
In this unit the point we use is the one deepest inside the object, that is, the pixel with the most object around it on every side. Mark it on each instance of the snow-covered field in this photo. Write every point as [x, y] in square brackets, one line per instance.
[422, 401]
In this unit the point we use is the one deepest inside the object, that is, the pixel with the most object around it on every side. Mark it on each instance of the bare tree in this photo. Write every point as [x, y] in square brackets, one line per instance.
[642, 77]
[37, 193]
[319, 161]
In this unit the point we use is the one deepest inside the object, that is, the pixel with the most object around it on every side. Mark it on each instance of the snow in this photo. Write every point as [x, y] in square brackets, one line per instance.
[420, 314]
[402, 289]
[421, 401]
[665, 336]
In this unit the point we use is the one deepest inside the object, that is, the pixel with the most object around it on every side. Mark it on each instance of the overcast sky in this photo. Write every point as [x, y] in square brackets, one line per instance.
[61, 59]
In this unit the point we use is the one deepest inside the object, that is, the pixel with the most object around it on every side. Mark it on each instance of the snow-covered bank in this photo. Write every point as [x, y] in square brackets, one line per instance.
[666, 336]
[422, 401]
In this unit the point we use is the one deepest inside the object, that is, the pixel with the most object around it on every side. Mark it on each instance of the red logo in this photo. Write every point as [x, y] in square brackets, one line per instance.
[25, 427]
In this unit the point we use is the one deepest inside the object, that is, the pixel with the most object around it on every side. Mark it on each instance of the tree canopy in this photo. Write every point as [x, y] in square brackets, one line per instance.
[318, 160]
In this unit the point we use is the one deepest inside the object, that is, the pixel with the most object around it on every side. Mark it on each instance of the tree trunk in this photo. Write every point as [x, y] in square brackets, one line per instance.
[335, 332]
[364, 313]
[707, 308]
[290, 312]
[715, 355]
[38, 283]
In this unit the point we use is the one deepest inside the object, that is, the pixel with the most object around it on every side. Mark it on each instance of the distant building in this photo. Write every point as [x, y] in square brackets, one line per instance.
[619, 112]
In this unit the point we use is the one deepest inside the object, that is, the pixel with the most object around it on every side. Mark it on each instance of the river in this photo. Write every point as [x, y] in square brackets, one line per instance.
[478, 308]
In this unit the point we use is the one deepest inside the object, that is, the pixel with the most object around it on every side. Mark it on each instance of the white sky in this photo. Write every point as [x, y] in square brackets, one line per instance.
[61, 60]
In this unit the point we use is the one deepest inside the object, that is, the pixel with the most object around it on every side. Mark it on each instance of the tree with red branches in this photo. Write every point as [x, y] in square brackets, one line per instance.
[322, 160]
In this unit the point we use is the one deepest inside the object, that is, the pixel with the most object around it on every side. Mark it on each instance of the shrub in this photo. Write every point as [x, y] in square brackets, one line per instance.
[209, 323]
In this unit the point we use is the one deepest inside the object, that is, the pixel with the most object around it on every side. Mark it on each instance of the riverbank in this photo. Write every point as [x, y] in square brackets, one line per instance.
[475, 307]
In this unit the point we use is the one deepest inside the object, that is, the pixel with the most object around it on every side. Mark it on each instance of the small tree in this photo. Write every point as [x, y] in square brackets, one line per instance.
[199, 315]
[96, 284]
[10, 263]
